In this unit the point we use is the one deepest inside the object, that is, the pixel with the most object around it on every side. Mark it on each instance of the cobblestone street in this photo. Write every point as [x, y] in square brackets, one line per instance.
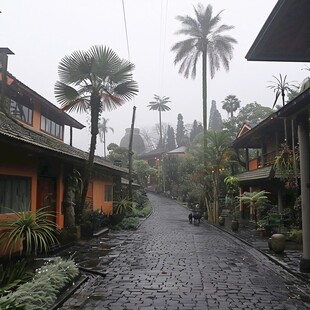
[170, 264]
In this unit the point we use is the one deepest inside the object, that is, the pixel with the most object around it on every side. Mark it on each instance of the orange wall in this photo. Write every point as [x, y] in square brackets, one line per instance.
[253, 164]
[98, 196]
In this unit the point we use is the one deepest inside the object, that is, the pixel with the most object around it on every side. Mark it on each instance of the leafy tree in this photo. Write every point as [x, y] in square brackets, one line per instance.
[170, 139]
[205, 39]
[118, 154]
[103, 129]
[215, 120]
[93, 81]
[180, 130]
[280, 86]
[231, 104]
[160, 104]
[143, 171]
[253, 113]
[170, 166]
[219, 152]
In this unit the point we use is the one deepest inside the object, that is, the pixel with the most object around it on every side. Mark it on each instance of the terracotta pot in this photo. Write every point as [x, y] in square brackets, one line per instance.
[278, 243]
[261, 232]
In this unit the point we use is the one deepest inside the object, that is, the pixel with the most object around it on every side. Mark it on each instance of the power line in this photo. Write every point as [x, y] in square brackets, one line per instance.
[126, 32]
[163, 30]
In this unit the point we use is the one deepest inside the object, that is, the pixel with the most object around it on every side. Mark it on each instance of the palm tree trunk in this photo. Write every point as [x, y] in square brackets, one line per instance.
[94, 103]
[104, 146]
[204, 103]
[160, 132]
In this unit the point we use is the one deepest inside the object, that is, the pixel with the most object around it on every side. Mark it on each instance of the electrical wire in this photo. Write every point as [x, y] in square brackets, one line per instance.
[163, 32]
[126, 32]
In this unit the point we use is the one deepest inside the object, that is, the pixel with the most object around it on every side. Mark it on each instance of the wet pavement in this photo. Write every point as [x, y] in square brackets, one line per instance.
[170, 264]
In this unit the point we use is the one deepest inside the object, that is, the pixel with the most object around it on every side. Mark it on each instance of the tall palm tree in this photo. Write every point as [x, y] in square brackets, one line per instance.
[91, 81]
[103, 129]
[205, 39]
[160, 105]
[231, 104]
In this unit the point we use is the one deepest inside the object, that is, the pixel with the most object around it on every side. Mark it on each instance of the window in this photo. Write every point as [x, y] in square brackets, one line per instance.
[51, 127]
[108, 190]
[15, 193]
[21, 112]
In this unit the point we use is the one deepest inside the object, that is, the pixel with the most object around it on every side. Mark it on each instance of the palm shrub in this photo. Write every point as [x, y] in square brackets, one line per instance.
[122, 206]
[256, 200]
[30, 232]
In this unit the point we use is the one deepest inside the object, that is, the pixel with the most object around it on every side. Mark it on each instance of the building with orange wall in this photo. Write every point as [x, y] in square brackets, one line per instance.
[35, 161]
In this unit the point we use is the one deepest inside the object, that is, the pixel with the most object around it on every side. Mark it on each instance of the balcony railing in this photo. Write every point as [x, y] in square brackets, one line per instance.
[266, 159]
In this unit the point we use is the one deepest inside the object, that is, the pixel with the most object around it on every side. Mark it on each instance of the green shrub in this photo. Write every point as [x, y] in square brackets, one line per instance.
[296, 235]
[41, 292]
[95, 220]
[123, 206]
[13, 274]
[127, 223]
[145, 211]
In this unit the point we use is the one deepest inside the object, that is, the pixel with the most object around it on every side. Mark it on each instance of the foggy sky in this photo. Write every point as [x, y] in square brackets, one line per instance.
[40, 33]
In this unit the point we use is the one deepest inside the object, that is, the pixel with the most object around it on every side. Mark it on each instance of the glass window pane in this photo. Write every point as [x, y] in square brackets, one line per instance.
[15, 193]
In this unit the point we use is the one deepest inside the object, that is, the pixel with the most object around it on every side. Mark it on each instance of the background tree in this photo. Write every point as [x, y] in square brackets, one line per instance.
[143, 171]
[93, 81]
[118, 155]
[180, 130]
[148, 139]
[281, 87]
[215, 120]
[170, 139]
[253, 113]
[219, 152]
[206, 39]
[103, 129]
[196, 129]
[231, 104]
[160, 105]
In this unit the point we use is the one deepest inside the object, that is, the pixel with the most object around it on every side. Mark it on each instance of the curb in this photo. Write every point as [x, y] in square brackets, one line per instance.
[270, 257]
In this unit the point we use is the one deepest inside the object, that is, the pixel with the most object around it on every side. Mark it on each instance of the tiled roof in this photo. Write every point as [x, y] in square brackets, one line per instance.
[18, 86]
[181, 149]
[14, 130]
[257, 174]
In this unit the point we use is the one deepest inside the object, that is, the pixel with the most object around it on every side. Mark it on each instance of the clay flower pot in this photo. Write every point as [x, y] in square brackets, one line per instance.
[277, 243]
[234, 225]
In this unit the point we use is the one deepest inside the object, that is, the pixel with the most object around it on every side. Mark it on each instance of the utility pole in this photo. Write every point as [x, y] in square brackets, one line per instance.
[130, 153]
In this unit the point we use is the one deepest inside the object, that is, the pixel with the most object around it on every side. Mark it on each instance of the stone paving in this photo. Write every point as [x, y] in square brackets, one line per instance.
[170, 264]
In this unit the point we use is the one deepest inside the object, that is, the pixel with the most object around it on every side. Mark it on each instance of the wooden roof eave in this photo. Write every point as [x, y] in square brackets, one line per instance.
[18, 86]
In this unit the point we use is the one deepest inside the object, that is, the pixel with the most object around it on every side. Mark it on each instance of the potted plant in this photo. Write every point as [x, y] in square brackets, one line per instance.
[120, 209]
[261, 227]
[232, 185]
[29, 232]
[286, 165]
